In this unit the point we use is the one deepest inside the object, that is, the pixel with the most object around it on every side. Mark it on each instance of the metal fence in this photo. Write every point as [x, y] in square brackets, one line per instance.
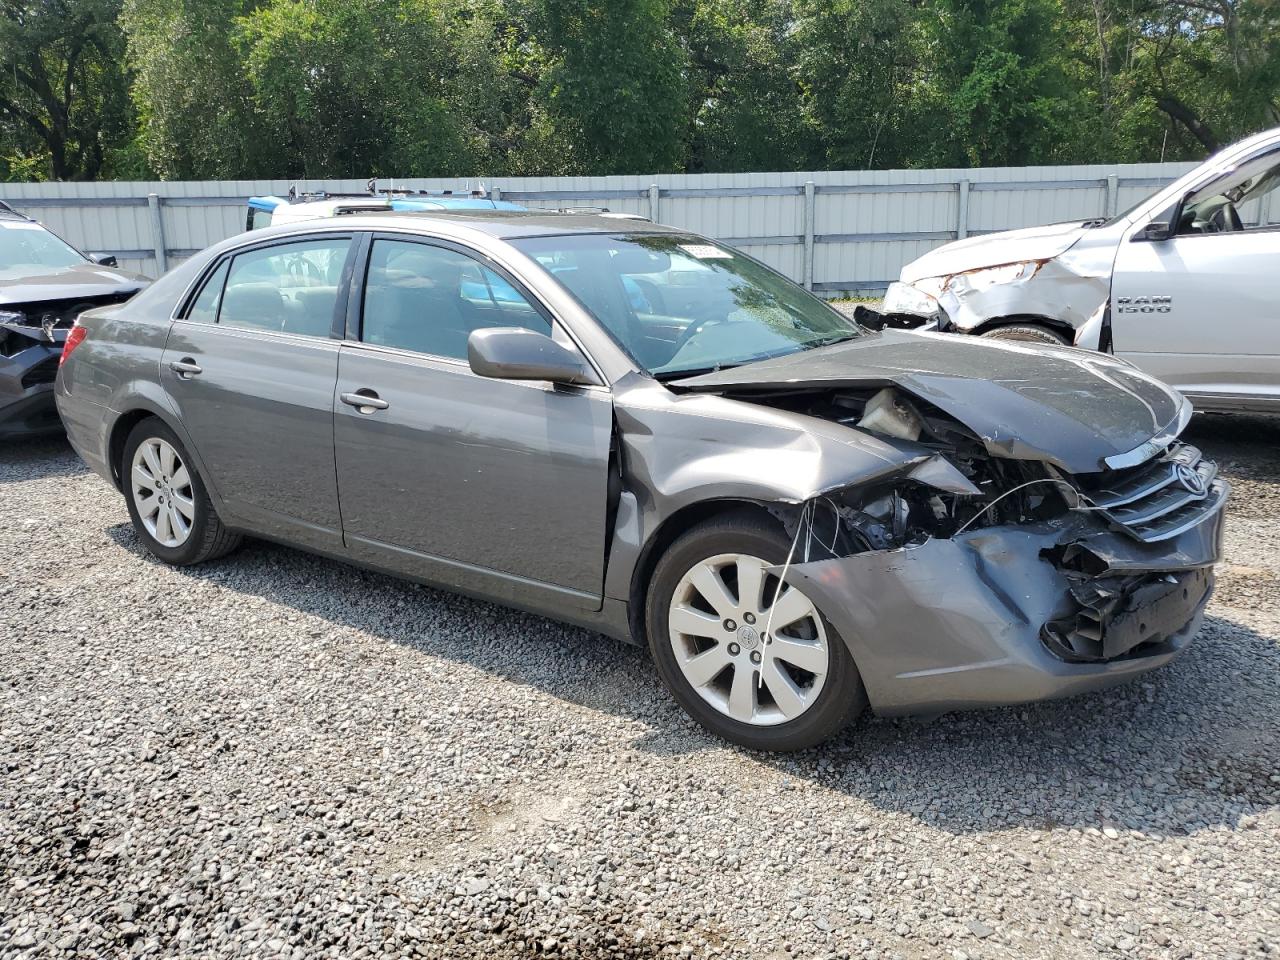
[836, 232]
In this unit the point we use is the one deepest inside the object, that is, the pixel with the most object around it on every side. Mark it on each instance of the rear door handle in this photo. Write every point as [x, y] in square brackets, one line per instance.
[186, 367]
[365, 400]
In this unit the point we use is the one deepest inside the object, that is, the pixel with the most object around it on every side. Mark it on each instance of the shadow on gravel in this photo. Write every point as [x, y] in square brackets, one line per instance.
[22, 461]
[1188, 748]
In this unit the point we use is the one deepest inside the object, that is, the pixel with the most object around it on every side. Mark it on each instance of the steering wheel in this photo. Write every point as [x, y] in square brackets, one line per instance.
[692, 331]
[1226, 219]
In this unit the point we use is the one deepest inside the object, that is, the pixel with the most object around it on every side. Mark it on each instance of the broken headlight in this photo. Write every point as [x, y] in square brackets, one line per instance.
[908, 298]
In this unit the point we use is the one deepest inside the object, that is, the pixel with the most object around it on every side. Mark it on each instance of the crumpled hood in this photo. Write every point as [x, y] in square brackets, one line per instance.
[83, 280]
[1072, 408]
[994, 249]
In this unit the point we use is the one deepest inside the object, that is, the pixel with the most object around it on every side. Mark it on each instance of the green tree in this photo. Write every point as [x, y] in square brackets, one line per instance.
[744, 96]
[64, 105]
[612, 84]
[859, 66]
[195, 105]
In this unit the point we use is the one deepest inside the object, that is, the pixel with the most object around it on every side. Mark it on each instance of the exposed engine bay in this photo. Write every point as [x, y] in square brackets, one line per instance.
[1107, 606]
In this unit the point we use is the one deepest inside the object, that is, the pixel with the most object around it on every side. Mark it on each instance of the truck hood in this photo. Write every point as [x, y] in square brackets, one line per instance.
[994, 249]
[1072, 408]
[86, 280]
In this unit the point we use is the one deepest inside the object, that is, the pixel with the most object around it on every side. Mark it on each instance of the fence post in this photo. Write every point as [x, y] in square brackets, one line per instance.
[157, 234]
[962, 209]
[1113, 195]
[654, 200]
[810, 208]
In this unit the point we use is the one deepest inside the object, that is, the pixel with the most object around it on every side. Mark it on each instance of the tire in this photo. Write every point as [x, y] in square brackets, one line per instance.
[830, 700]
[204, 536]
[1027, 333]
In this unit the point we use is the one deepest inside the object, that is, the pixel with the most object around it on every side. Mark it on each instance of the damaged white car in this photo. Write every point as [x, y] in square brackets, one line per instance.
[1182, 284]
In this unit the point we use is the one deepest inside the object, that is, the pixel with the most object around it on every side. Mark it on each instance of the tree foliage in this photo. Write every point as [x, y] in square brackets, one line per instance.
[321, 88]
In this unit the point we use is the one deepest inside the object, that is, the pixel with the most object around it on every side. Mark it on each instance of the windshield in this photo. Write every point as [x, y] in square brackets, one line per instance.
[28, 248]
[680, 305]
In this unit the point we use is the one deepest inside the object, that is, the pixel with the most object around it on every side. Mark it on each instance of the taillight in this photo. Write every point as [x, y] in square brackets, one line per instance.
[74, 338]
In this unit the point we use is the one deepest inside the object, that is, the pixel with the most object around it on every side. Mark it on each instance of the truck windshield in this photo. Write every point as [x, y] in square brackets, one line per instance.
[680, 304]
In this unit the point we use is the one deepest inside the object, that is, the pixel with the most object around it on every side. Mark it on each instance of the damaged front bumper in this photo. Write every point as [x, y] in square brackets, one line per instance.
[1012, 614]
[28, 367]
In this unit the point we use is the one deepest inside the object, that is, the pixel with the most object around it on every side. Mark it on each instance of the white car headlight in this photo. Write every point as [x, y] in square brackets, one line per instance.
[904, 298]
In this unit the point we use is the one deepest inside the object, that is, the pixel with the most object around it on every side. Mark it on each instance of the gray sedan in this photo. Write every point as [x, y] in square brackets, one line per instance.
[648, 434]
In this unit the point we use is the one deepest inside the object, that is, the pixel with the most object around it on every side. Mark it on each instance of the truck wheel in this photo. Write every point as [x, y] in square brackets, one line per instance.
[1027, 333]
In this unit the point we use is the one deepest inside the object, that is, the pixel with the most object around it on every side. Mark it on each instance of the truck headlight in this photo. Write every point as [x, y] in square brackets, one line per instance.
[904, 298]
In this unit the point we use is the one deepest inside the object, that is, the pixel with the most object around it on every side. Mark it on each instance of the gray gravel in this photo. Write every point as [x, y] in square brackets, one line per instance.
[278, 755]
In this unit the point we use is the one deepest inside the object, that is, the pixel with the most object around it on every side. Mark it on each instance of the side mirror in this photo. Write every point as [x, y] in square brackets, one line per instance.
[104, 259]
[513, 353]
[1154, 231]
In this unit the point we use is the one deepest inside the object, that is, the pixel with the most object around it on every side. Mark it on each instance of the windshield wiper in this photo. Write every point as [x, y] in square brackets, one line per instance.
[662, 376]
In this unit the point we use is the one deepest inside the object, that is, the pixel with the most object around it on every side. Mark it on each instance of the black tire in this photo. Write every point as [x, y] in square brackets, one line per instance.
[208, 538]
[1027, 333]
[747, 532]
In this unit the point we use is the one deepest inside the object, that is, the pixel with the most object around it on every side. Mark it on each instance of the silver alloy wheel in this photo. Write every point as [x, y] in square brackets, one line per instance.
[162, 492]
[756, 663]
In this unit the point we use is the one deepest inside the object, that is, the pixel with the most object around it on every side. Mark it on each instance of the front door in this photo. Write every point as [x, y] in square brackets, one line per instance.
[490, 486]
[1199, 310]
[250, 370]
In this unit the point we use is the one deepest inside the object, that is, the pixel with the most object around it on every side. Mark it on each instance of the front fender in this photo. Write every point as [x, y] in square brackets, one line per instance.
[681, 451]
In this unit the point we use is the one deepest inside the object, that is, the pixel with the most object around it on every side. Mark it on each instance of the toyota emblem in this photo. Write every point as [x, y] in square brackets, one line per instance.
[1190, 479]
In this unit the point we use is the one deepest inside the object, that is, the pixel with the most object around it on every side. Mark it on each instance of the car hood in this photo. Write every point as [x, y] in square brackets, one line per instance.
[1072, 408]
[84, 280]
[995, 249]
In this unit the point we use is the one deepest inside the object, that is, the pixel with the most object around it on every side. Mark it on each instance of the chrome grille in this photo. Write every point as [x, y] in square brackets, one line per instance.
[1163, 497]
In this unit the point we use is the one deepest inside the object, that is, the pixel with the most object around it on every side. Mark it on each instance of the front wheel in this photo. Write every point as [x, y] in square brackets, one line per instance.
[168, 503]
[1027, 333]
[752, 660]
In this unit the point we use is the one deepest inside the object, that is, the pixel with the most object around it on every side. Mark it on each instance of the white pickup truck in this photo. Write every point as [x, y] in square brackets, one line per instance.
[1186, 284]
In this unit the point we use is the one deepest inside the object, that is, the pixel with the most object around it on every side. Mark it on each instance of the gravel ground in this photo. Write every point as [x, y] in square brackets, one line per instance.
[278, 755]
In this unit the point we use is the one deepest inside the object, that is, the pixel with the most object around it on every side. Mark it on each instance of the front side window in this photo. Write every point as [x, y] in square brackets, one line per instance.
[28, 248]
[205, 309]
[679, 305]
[1238, 200]
[428, 299]
[287, 288]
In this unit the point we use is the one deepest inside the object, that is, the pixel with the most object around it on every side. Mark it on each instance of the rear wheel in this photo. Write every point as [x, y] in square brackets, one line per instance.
[1027, 333]
[167, 500]
[751, 660]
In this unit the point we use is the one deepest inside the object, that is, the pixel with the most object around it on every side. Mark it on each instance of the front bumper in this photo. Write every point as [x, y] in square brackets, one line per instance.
[26, 390]
[980, 620]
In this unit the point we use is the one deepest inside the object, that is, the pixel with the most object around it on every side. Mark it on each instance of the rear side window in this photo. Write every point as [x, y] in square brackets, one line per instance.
[288, 288]
[205, 309]
[428, 299]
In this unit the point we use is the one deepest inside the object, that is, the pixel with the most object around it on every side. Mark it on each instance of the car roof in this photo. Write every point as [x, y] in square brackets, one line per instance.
[509, 224]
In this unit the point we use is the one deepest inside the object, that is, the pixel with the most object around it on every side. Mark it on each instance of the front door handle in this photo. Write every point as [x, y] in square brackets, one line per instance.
[186, 367]
[365, 400]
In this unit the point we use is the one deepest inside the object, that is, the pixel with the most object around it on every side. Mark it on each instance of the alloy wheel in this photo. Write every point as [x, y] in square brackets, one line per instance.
[161, 486]
[753, 648]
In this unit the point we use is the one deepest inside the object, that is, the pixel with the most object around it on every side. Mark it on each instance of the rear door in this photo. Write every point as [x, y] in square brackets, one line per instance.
[250, 369]
[1200, 310]
[496, 487]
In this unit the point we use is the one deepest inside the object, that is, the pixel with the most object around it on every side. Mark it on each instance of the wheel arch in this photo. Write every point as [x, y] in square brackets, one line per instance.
[665, 534]
[1061, 327]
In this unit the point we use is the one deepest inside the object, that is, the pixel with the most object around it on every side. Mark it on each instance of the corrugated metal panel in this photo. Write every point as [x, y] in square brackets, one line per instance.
[867, 224]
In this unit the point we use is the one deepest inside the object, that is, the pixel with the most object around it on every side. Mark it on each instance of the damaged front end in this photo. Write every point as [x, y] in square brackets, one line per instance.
[31, 339]
[973, 580]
